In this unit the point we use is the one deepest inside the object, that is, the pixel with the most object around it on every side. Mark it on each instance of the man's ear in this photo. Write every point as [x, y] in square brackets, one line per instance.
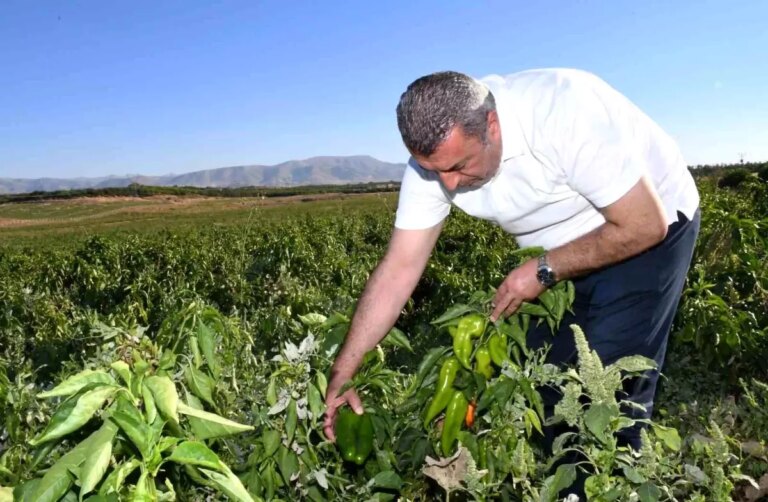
[494, 128]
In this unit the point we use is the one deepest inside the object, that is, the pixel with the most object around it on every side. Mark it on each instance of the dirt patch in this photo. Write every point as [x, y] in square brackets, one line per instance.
[103, 199]
[160, 204]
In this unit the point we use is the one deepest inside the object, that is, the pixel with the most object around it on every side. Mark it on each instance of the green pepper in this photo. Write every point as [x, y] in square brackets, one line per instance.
[497, 345]
[474, 324]
[354, 435]
[482, 452]
[454, 418]
[469, 327]
[483, 362]
[444, 389]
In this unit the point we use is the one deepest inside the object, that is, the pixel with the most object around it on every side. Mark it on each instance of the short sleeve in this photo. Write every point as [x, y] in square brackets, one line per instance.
[422, 203]
[598, 139]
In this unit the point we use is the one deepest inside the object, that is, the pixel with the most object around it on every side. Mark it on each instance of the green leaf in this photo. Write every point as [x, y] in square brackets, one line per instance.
[150, 409]
[335, 319]
[6, 494]
[272, 391]
[271, 440]
[166, 397]
[122, 369]
[166, 443]
[144, 489]
[425, 367]
[312, 319]
[116, 478]
[648, 492]
[195, 349]
[167, 360]
[58, 479]
[112, 497]
[563, 477]
[634, 364]
[322, 383]
[596, 485]
[532, 395]
[559, 444]
[669, 436]
[388, 480]
[532, 418]
[229, 484]
[532, 309]
[452, 313]
[291, 420]
[97, 462]
[74, 413]
[76, 382]
[597, 419]
[206, 338]
[633, 475]
[196, 453]
[70, 496]
[397, 338]
[200, 384]
[315, 401]
[334, 338]
[132, 423]
[207, 425]
[288, 463]
[169, 495]
[25, 491]
[500, 391]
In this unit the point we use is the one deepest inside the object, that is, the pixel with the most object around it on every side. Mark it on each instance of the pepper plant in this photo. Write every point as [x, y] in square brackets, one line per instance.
[143, 436]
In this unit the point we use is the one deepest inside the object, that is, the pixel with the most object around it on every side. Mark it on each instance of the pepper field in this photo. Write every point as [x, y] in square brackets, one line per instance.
[186, 357]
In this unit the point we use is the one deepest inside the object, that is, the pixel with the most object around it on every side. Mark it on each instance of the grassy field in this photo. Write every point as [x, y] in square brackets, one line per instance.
[63, 222]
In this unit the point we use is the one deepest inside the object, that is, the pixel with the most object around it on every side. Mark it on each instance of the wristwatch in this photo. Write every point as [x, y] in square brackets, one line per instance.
[544, 272]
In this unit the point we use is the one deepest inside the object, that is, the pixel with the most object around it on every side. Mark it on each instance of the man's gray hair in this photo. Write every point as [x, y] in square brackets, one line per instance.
[435, 103]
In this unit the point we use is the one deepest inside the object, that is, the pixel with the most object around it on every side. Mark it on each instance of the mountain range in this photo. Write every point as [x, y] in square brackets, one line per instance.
[313, 171]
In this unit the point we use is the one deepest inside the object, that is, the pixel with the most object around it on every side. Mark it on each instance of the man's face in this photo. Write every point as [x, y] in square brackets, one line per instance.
[464, 161]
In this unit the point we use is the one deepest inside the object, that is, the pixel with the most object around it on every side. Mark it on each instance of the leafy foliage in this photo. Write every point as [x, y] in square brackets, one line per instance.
[194, 364]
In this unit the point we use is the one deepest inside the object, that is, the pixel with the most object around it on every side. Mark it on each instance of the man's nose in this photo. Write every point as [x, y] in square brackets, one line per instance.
[450, 180]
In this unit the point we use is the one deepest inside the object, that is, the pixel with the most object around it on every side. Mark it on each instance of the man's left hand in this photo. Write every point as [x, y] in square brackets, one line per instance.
[520, 285]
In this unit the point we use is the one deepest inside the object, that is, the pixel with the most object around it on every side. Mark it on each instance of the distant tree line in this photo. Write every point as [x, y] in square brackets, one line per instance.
[727, 175]
[732, 175]
[137, 190]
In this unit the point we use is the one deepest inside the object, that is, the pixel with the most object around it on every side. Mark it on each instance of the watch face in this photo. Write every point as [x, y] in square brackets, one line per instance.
[545, 276]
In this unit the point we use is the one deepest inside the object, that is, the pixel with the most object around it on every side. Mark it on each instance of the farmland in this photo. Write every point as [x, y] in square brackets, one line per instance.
[194, 336]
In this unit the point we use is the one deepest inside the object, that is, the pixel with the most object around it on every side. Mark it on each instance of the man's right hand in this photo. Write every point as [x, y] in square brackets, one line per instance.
[334, 402]
[384, 296]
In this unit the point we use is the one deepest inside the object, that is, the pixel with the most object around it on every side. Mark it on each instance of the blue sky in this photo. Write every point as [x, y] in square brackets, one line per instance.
[91, 88]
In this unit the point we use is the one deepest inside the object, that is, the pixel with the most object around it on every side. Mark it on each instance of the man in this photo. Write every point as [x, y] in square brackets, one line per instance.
[563, 161]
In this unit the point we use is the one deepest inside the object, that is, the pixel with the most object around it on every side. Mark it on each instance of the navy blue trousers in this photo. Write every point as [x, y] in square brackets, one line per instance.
[626, 309]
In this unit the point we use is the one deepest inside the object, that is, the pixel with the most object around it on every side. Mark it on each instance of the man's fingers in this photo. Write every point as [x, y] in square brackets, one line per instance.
[497, 310]
[330, 418]
[511, 308]
[354, 402]
[500, 303]
[328, 429]
[349, 397]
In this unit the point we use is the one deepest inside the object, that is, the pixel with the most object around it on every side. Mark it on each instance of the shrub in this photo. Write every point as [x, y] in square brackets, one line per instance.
[733, 178]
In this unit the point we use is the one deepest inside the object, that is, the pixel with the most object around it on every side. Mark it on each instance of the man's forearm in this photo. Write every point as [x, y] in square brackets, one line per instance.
[385, 294]
[605, 245]
[633, 223]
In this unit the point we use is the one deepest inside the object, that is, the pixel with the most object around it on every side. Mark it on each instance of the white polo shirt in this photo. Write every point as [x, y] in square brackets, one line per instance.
[571, 144]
